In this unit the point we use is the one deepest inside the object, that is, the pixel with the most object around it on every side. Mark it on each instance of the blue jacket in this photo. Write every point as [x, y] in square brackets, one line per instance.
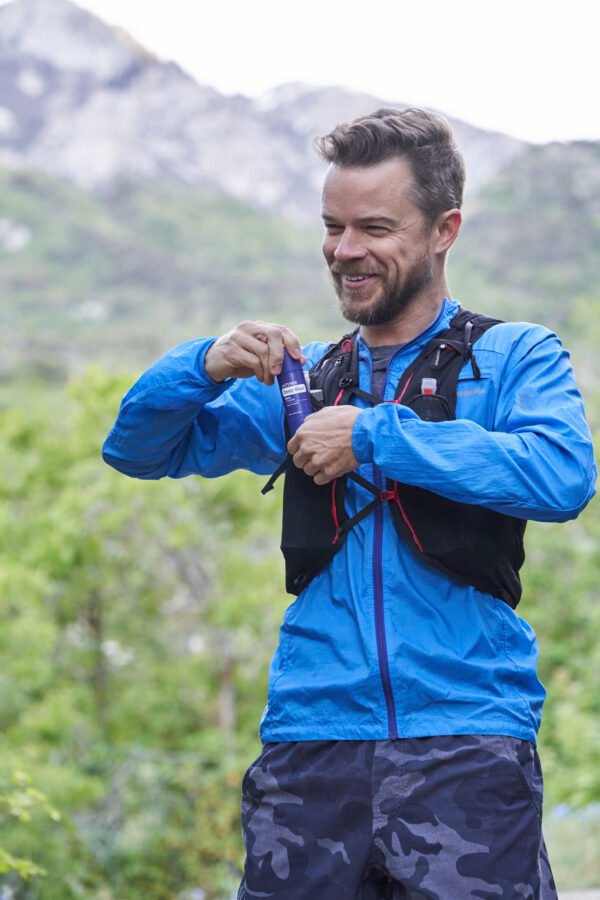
[379, 645]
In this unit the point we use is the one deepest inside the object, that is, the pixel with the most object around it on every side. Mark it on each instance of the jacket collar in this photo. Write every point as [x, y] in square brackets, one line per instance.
[446, 313]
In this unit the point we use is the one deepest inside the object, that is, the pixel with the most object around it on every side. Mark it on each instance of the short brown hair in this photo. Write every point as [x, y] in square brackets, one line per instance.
[423, 138]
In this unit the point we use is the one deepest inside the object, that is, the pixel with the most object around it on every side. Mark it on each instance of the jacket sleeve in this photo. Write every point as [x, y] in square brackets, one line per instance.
[176, 421]
[537, 461]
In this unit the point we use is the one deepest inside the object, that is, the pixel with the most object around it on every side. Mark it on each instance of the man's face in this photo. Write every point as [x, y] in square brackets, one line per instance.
[377, 243]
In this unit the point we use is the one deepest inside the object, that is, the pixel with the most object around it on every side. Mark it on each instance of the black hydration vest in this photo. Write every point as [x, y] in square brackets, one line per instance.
[471, 544]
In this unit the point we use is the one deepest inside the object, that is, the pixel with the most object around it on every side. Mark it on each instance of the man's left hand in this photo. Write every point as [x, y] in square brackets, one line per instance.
[322, 446]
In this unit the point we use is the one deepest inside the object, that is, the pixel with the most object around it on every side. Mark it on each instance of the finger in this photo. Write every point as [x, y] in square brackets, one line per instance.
[311, 468]
[279, 336]
[247, 364]
[292, 345]
[321, 478]
[276, 347]
[275, 338]
[260, 351]
[271, 351]
[299, 460]
[238, 355]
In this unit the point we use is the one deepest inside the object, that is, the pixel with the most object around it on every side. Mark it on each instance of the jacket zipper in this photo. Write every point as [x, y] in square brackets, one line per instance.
[382, 654]
[378, 606]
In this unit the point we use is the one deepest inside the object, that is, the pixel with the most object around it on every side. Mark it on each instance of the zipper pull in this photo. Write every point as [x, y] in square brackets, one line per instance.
[436, 361]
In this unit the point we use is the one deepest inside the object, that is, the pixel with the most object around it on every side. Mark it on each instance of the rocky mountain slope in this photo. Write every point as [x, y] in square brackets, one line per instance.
[121, 276]
[140, 208]
[83, 101]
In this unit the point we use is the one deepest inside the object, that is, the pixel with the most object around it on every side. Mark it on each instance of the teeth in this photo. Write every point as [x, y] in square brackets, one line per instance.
[356, 277]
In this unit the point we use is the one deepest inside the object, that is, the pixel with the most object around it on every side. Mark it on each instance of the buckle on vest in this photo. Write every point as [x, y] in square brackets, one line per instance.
[384, 496]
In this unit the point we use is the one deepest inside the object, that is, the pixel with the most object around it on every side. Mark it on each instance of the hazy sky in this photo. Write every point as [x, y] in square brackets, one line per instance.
[525, 67]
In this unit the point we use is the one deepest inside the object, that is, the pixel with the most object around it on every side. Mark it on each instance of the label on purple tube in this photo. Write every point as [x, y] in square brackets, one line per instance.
[296, 398]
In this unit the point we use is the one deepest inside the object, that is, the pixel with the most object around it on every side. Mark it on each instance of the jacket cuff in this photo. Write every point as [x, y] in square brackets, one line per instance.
[374, 428]
[362, 443]
[205, 378]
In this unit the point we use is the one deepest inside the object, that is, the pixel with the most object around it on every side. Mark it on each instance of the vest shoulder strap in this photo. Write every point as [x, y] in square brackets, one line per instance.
[334, 378]
[428, 384]
[335, 373]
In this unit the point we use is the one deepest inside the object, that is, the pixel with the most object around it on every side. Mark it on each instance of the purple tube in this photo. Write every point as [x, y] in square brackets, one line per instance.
[296, 399]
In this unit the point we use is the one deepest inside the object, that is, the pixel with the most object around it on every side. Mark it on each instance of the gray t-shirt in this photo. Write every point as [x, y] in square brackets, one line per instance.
[380, 357]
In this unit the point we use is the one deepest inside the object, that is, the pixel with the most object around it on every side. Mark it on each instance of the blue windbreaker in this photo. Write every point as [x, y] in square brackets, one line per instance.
[379, 645]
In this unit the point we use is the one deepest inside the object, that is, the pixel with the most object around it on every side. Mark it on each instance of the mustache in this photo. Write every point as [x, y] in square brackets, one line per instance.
[352, 269]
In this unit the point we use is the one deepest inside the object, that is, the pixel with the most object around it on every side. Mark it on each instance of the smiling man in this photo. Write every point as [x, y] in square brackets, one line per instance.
[378, 243]
[399, 735]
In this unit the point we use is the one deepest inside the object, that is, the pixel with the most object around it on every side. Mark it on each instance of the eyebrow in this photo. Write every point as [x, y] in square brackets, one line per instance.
[366, 220]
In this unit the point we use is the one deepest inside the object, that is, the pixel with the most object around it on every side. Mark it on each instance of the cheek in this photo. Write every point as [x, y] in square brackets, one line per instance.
[328, 248]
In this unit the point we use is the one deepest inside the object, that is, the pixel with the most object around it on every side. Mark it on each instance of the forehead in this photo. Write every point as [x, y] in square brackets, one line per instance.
[364, 191]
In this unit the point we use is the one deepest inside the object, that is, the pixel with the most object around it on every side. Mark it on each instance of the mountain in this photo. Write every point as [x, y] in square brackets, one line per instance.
[140, 208]
[120, 276]
[82, 100]
[314, 111]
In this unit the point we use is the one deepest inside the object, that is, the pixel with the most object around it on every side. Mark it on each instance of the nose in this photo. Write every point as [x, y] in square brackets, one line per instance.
[349, 246]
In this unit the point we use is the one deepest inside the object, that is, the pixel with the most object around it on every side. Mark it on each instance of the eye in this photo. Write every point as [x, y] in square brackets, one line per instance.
[332, 228]
[377, 229]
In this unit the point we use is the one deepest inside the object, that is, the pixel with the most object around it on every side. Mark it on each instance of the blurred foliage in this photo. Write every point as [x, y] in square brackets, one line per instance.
[146, 264]
[573, 837]
[138, 623]
[532, 233]
[138, 618]
[528, 249]
[19, 802]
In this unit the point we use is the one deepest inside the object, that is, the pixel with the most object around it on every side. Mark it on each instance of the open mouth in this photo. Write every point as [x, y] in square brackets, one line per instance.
[356, 281]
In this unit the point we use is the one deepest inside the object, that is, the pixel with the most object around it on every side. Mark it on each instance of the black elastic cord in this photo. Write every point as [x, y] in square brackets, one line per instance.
[359, 516]
[278, 471]
[364, 483]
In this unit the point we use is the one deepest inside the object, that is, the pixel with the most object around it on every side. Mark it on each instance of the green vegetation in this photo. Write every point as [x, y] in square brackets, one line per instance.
[529, 247]
[124, 276]
[138, 623]
[118, 278]
[19, 801]
[138, 618]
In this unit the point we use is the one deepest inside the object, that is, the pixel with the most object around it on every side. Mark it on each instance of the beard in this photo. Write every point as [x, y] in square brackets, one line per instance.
[397, 295]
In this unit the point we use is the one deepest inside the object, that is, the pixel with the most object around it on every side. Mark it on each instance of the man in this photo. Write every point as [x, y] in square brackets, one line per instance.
[399, 735]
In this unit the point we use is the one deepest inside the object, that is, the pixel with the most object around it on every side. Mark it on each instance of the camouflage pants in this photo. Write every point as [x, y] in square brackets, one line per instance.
[448, 818]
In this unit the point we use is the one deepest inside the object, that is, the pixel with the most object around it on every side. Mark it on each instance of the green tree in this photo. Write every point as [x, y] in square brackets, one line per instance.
[138, 621]
[139, 626]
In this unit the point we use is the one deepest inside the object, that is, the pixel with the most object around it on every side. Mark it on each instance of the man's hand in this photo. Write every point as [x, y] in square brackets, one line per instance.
[322, 446]
[251, 348]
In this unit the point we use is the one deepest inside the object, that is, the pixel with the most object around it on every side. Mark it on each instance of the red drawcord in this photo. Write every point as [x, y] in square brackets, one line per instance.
[385, 496]
[334, 511]
[404, 389]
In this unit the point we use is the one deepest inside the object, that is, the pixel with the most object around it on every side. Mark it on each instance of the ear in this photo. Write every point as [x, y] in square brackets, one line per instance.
[446, 230]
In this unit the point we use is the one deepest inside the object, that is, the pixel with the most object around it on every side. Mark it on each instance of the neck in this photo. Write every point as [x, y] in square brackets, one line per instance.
[411, 322]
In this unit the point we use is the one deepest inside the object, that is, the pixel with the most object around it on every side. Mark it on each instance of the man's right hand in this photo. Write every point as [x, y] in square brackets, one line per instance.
[251, 348]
